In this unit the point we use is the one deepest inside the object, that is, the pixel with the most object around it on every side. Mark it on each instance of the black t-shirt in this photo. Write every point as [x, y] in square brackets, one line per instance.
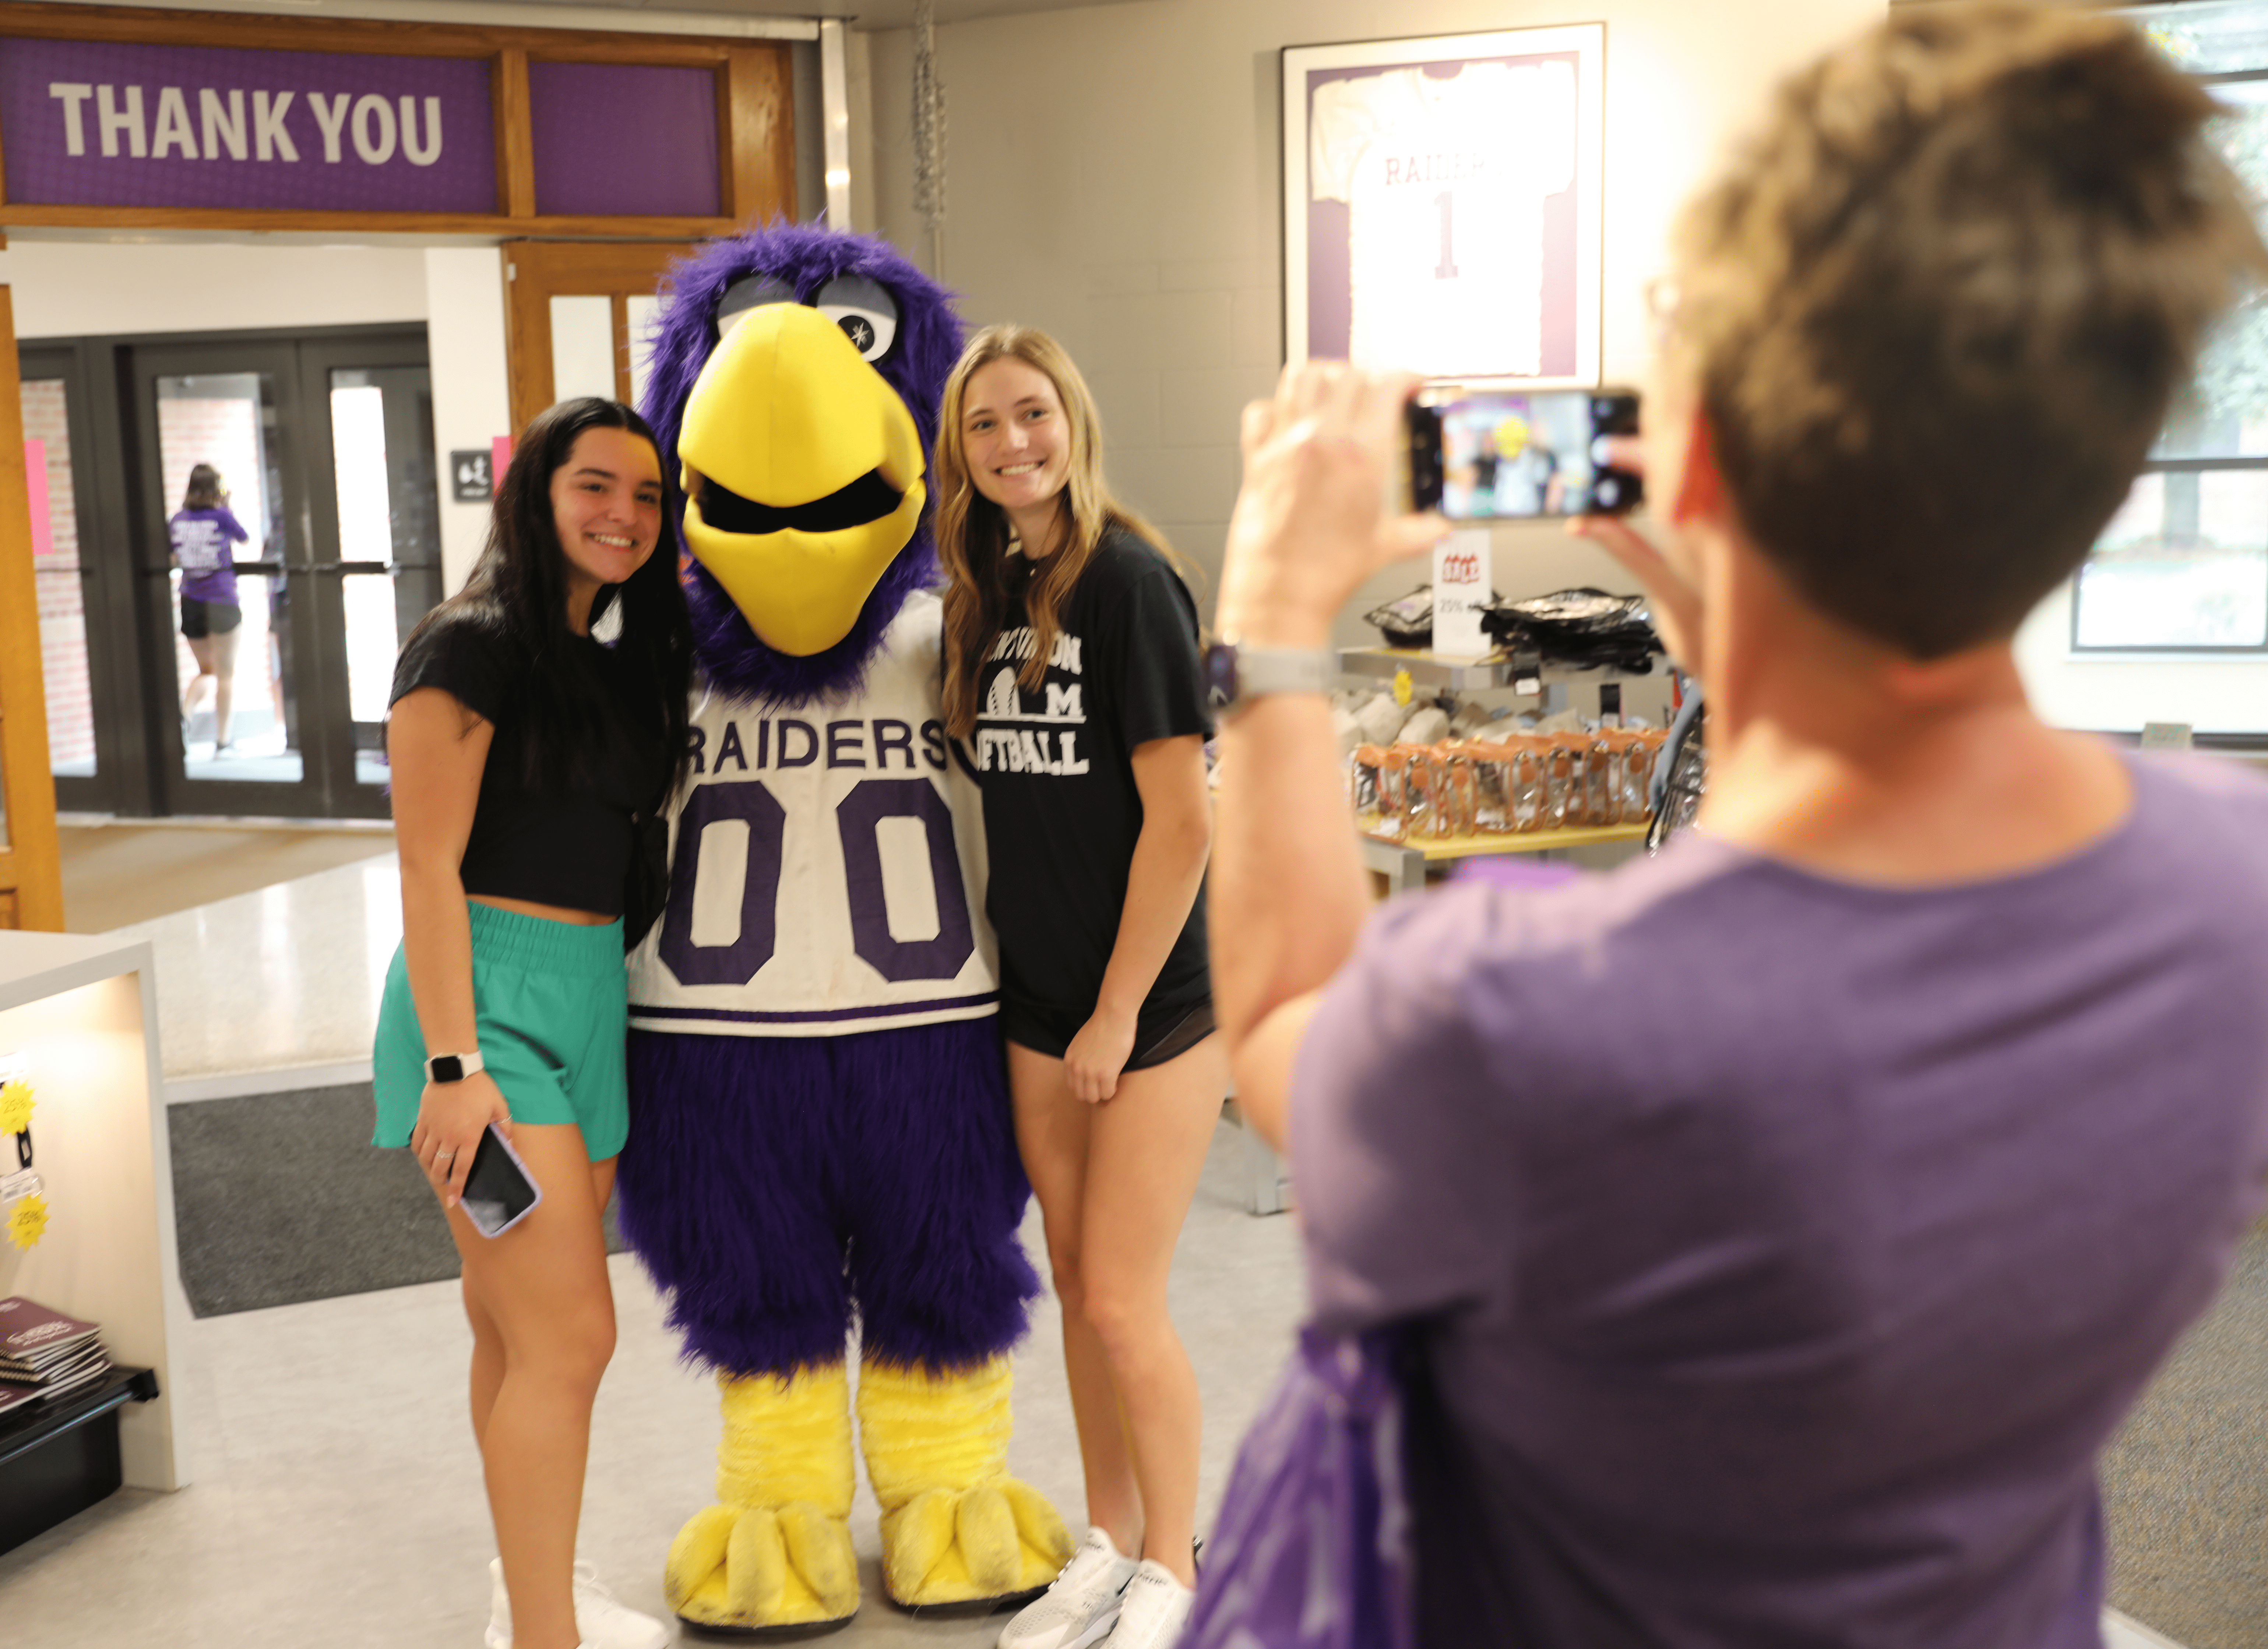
[1061, 811]
[566, 843]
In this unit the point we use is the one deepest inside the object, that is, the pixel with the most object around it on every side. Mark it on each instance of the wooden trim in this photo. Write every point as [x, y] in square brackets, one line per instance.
[625, 229]
[756, 126]
[728, 182]
[8, 872]
[762, 151]
[528, 339]
[30, 788]
[241, 30]
[619, 323]
[515, 136]
[535, 271]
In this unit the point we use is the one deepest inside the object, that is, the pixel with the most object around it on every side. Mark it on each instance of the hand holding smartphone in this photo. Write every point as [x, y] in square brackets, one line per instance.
[499, 1192]
[1512, 455]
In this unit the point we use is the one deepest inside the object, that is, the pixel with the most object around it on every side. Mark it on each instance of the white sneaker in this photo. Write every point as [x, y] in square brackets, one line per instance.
[1153, 1610]
[603, 1622]
[1081, 1606]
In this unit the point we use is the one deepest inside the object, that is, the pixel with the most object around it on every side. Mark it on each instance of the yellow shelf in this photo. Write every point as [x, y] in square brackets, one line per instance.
[1468, 847]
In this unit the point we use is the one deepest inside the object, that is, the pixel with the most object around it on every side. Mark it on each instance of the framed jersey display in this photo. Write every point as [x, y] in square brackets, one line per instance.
[1441, 205]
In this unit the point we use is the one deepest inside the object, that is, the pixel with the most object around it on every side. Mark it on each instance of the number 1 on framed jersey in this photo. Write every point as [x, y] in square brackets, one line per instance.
[1442, 205]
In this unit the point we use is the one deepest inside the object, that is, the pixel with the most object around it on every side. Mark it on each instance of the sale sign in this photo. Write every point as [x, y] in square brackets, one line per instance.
[93, 123]
[1461, 591]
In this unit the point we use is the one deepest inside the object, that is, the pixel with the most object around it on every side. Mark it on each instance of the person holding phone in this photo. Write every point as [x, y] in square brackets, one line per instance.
[199, 533]
[1071, 670]
[1796, 1304]
[525, 754]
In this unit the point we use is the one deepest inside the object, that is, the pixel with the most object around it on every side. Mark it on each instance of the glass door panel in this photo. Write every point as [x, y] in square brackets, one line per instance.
[238, 724]
[389, 537]
[59, 578]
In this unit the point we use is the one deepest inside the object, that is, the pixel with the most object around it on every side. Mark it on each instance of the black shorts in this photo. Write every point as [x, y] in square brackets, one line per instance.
[201, 619]
[1161, 1033]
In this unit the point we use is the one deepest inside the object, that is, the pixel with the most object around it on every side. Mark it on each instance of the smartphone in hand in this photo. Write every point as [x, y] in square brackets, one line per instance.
[499, 1192]
[1488, 455]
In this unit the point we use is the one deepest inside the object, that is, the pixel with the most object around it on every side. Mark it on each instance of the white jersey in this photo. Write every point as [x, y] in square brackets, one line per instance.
[1444, 181]
[826, 865]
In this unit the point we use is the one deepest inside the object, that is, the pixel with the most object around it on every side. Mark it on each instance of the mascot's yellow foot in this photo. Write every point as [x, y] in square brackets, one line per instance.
[956, 1528]
[776, 1552]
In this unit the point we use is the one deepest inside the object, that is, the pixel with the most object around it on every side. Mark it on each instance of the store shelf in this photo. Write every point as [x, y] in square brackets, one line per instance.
[33, 1423]
[60, 1456]
[1403, 864]
[1442, 672]
[1434, 670]
[1436, 849]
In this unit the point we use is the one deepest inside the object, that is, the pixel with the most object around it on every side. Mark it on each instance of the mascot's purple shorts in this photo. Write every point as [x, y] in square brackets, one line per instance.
[820, 1132]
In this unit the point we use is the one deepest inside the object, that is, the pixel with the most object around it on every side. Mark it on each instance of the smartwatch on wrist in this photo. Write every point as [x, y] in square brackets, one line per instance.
[1235, 675]
[452, 1067]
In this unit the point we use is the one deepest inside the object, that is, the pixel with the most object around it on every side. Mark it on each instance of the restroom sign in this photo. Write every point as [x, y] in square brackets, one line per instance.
[101, 123]
[472, 475]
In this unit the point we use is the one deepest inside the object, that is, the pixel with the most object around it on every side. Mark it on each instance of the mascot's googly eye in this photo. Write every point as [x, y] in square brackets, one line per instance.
[752, 291]
[864, 309]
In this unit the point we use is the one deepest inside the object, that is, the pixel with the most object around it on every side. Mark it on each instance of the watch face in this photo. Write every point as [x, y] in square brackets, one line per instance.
[448, 1068]
[1220, 675]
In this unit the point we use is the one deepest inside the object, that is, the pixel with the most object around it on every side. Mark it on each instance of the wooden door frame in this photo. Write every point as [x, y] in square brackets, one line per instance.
[30, 862]
[535, 271]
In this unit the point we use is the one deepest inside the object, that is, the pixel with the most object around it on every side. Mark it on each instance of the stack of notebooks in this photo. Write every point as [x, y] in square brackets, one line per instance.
[44, 1353]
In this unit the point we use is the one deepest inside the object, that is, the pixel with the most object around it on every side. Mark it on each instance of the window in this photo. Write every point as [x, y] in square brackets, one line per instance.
[2182, 567]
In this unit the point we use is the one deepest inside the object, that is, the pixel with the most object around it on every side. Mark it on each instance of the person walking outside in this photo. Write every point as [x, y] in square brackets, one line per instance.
[200, 532]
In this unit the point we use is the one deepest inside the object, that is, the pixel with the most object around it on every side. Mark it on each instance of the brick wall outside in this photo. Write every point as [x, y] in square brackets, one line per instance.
[61, 592]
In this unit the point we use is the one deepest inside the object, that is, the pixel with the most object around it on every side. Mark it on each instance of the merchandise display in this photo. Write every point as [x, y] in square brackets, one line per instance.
[1511, 782]
[44, 1353]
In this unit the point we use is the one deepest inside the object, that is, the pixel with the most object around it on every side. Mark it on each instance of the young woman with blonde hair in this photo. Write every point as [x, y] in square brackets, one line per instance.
[1071, 672]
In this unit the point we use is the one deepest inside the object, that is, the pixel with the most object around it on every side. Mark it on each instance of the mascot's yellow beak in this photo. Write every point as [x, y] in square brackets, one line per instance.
[803, 477]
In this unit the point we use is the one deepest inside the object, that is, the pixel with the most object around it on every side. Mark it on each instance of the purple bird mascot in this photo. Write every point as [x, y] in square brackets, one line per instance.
[823, 1129]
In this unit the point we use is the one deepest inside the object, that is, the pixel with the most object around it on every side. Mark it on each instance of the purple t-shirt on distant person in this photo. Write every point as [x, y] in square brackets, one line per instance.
[201, 549]
[1787, 1248]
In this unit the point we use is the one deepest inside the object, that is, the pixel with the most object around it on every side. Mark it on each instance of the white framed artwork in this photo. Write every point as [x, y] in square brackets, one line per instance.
[1441, 205]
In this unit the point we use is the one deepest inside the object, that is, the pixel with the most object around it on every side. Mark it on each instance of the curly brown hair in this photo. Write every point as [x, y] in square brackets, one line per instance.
[1937, 308]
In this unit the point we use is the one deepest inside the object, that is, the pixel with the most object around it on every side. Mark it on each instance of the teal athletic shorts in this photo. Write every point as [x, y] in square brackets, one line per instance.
[550, 1002]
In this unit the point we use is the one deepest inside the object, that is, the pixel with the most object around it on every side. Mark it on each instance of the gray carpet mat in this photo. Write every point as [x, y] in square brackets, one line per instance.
[281, 1197]
[2186, 1484]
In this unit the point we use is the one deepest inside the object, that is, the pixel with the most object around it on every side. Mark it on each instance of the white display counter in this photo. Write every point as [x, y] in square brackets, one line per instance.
[81, 1013]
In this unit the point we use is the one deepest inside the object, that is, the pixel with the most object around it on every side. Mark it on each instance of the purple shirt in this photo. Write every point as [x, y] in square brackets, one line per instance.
[200, 541]
[1789, 1247]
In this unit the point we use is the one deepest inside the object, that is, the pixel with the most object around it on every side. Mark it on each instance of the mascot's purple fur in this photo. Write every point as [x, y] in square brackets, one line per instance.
[821, 1128]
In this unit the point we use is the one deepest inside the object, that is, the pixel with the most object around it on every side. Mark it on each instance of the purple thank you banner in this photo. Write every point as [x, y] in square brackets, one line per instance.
[85, 123]
[623, 140]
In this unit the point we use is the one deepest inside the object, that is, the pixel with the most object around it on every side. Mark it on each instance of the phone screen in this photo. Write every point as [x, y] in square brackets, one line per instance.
[498, 1193]
[1505, 455]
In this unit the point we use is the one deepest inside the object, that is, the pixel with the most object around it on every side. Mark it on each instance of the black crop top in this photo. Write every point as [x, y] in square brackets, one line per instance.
[566, 844]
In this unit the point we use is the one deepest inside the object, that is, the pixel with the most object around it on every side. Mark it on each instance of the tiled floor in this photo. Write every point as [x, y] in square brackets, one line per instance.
[120, 871]
[287, 977]
[338, 1500]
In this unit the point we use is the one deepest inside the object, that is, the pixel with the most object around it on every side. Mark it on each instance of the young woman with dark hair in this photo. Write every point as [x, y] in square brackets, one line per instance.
[525, 753]
[201, 533]
[1071, 670]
